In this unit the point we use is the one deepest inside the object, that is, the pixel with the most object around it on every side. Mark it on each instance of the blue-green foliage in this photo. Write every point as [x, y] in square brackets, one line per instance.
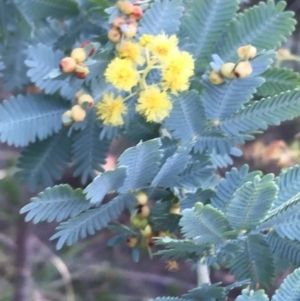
[89, 152]
[289, 289]
[24, 119]
[278, 80]
[244, 221]
[44, 161]
[57, 203]
[202, 25]
[162, 16]
[264, 26]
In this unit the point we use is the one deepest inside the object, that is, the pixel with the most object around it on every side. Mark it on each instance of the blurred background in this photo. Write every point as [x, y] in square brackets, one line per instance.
[31, 268]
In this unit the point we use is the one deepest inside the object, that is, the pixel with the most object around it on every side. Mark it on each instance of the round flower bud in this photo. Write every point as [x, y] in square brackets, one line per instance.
[247, 52]
[283, 52]
[216, 78]
[227, 70]
[114, 35]
[81, 71]
[86, 99]
[67, 118]
[147, 232]
[78, 113]
[243, 69]
[118, 21]
[131, 30]
[78, 94]
[132, 241]
[79, 55]
[137, 13]
[84, 44]
[125, 7]
[142, 198]
[138, 223]
[163, 234]
[143, 212]
[175, 210]
[67, 65]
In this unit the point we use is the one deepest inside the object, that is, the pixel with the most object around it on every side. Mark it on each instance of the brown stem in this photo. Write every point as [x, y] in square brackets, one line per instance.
[22, 262]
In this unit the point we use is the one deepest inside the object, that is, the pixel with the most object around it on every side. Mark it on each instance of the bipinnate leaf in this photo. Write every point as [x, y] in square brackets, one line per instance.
[23, 119]
[284, 249]
[255, 263]
[108, 181]
[44, 161]
[56, 203]
[251, 202]
[89, 152]
[259, 114]
[203, 24]
[278, 80]
[142, 163]
[289, 184]
[161, 16]
[168, 175]
[187, 117]
[229, 184]
[289, 289]
[252, 296]
[89, 221]
[205, 224]
[39, 9]
[264, 26]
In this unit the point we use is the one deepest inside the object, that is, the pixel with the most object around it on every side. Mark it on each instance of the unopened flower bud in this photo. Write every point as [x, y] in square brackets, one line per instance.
[86, 99]
[67, 118]
[67, 65]
[243, 69]
[79, 55]
[216, 78]
[247, 52]
[132, 242]
[114, 35]
[78, 113]
[131, 30]
[143, 212]
[125, 7]
[227, 70]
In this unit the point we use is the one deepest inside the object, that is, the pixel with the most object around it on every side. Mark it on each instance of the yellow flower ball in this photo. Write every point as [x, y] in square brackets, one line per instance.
[175, 82]
[111, 110]
[163, 46]
[131, 51]
[145, 40]
[180, 62]
[154, 104]
[122, 74]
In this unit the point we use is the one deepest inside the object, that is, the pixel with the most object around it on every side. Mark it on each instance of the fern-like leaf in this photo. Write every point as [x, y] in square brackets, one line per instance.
[39, 9]
[41, 61]
[251, 202]
[207, 292]
[44, 161]
[278, 80]
[284, 249]
[269, 111]
[205, 224]
[187, 118]
[23, 119]
[220, 101]
[203, 24]
[289, 290]
[108, 181]
[161, 16]
[89, 152]
[89, 222]
[280, 214]
[56, 203]
[142, 164]
[168, 299]
[252, 296]
[289, 184]
[255, 263]
[168, 175]
[228, 185]
[181, 249]
[253, 26]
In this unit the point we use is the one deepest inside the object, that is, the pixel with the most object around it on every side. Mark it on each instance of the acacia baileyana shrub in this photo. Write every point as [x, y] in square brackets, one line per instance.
[186, 82]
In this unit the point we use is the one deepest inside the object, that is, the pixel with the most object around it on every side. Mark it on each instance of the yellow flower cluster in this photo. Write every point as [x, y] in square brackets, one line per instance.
[129, 71]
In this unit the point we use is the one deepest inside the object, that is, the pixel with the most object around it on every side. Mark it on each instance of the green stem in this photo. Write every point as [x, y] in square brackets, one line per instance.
[202, 273]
